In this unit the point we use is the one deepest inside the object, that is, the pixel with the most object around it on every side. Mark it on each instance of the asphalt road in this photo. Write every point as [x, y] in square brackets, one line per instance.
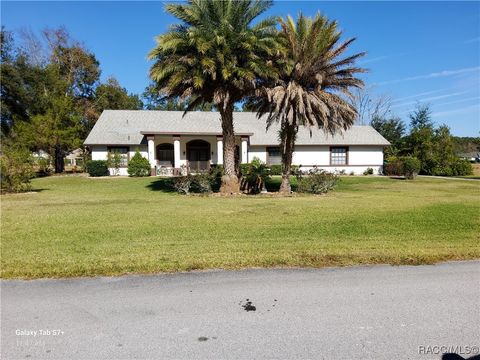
[379, 312]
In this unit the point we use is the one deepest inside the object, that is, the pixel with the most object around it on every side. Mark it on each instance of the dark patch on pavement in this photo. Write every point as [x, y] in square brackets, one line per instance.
[202, 338]
[248, 306]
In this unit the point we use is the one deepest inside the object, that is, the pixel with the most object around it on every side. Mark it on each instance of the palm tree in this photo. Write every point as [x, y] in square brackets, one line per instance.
[215, 56]
[313, 84]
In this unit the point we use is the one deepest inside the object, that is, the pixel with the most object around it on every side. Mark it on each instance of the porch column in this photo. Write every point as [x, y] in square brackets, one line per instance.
[176, 152]
[151, 153]
[244, 154]
[219, 150]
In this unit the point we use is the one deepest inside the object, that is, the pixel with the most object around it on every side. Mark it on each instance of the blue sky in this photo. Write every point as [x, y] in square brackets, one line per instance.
[417, 51]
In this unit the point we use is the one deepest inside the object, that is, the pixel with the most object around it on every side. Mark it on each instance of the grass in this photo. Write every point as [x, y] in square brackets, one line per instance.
[78, 226]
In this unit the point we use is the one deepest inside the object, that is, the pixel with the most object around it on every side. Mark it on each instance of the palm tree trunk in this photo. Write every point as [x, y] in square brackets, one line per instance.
[230, 183]
[288, 134]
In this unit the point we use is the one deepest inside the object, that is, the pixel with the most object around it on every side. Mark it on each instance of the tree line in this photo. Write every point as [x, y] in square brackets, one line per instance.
[51, 94]
[434, 146]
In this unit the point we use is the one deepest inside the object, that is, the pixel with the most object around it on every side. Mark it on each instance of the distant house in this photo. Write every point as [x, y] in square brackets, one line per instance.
[473, 156]
[171, 141]
[74, 158]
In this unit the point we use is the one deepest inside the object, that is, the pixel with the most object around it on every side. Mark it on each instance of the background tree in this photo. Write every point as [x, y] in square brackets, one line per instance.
[370, 106]
[21, 86]
[392, 129]
[419, 142]
[215, 56]
[312, 80]
[51, 95]
[58, 130]
[466, 144]
[109, 95]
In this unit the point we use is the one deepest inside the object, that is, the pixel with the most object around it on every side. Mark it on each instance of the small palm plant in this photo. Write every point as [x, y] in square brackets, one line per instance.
[215, 55]
[313, 84]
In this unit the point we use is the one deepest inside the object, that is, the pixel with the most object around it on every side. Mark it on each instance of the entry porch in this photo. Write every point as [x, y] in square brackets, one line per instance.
[179, 154]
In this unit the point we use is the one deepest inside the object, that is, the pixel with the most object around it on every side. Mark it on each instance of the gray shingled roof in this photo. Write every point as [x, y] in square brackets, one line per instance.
[128, 127]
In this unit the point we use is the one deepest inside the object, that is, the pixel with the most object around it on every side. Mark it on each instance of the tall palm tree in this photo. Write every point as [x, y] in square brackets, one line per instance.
[215, 56]
[313, 84]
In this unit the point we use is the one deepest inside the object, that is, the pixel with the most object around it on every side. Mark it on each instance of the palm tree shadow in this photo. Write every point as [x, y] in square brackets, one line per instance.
[162, 184]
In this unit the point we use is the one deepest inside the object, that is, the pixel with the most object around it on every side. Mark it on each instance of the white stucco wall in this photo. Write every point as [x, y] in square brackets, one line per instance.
[257, 152]
[365, 155]
[101, 153]
[360, 158]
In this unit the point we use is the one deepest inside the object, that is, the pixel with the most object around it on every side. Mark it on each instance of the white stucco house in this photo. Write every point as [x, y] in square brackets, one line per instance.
[171, 141]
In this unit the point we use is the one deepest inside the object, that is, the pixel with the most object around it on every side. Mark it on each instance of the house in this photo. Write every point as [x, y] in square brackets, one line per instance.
[473, 156]
[74, 158]
[172, 142]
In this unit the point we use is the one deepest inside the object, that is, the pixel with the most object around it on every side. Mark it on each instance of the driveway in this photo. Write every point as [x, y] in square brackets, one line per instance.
[378, 312]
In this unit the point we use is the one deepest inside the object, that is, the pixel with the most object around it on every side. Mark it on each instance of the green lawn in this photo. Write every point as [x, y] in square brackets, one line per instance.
[77, 226]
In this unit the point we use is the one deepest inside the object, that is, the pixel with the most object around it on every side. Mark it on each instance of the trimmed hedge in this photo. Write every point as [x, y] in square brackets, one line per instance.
[316, 181]
[96, 168]
[138, 166]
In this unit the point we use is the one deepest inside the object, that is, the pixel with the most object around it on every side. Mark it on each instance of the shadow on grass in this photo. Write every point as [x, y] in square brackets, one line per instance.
[38, 190]
[2, 192]
[166, 185]
[397, 178]
[273, 184]
[162, 184]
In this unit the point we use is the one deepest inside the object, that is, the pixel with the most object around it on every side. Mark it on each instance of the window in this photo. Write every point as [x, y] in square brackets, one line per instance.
[274, 156]
[123, 151]
[338, 156]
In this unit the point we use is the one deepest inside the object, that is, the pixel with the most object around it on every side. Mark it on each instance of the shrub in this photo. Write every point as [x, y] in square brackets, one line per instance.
[275, 169]
[317, 181]
[295, 169]
[199, 183]
[393, 167]
[410, 166]
[114, 161]
[43, 166]
[216, 173]
[182, 184]
[254, 176]
[16, 170]
[244, 169]
[138, 165]
[462, 168]
[97, 168]
[368, 171]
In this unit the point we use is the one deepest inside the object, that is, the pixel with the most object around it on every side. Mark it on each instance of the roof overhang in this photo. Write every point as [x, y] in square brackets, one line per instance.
[190, 133]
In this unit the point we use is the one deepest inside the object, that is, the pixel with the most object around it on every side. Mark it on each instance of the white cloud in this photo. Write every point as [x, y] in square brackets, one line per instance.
[432, 98]
[443, 73]
[417, 95]
[469, 41]
[459, 101]
[462, 110]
